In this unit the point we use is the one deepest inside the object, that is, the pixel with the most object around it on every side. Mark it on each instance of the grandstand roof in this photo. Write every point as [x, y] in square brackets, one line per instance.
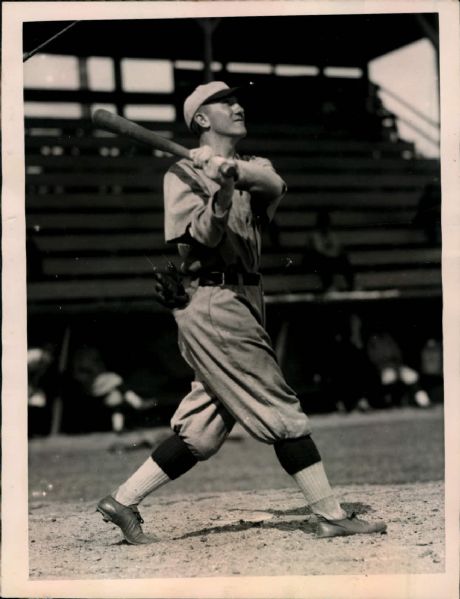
[339, 40]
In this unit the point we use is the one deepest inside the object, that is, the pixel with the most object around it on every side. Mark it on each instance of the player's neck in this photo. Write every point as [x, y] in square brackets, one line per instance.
[222, 146]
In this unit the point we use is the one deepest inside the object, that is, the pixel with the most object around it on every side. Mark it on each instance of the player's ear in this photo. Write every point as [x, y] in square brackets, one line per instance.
[202, 119]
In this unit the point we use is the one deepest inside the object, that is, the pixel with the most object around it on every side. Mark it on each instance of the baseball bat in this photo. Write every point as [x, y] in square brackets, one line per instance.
[114, 123]
[103, 119]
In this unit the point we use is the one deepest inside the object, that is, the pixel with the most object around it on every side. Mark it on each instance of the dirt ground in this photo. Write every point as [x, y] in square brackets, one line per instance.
[239, 514]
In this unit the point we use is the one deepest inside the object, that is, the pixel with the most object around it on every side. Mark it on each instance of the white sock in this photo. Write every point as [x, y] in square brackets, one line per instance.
[315, 486]
[146, 479]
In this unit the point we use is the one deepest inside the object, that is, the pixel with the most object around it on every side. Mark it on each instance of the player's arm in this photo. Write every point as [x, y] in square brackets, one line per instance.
[222, 171]
[192, 211]
[258, 176]
[255, 175]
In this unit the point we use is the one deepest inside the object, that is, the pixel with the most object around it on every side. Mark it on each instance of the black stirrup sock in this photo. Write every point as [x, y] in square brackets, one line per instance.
[297, 454]
[174, 457]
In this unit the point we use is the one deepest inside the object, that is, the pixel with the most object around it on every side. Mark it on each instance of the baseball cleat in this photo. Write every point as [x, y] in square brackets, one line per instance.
[351, 525]
[127, 518]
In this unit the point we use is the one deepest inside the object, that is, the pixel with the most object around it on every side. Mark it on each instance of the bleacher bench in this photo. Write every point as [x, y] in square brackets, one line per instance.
[94, 211]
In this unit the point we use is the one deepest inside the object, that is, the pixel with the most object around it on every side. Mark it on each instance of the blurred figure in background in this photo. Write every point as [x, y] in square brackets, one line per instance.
[41, 388]
[96, 398]
[118, 399]
[326, 255]
[431, 369]
[399, 384]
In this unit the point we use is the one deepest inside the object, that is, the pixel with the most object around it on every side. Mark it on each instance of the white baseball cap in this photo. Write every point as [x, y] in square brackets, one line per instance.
[205, 94]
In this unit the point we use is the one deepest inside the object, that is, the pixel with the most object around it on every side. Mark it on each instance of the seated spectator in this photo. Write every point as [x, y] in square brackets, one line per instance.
[326, 256]
[97, 399]
[117, 398]
[399, 384]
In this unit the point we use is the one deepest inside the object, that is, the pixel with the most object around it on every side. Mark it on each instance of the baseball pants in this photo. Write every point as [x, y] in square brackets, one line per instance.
[237, 376]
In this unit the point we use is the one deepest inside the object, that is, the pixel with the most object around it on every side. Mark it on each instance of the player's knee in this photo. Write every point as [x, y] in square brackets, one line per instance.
[203, 449]
[274, 427]
[267, 434]
[266, 430]
[202, 444]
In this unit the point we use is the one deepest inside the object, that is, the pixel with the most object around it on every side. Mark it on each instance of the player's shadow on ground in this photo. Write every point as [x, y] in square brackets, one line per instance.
[308, 525]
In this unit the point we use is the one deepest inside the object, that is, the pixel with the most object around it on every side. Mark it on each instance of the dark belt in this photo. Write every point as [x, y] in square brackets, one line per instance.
[229, 278]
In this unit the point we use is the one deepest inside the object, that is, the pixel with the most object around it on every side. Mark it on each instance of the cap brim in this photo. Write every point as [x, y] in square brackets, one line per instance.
[222, 94]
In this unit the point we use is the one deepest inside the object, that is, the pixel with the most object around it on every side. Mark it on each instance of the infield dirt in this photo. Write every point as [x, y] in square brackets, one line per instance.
[239, 514]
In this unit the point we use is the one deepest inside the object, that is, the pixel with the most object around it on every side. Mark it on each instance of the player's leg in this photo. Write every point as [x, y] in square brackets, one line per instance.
[301, 459]
[201, 424]
[230, 341]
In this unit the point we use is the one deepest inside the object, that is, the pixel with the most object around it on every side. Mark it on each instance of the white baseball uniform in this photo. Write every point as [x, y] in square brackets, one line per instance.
[221, 331]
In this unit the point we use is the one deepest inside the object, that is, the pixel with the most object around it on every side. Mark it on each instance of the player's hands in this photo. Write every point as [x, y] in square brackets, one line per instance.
[222, 170]
[200, 156]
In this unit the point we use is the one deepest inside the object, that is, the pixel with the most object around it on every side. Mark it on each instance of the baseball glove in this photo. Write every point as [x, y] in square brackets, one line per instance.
[168, 287]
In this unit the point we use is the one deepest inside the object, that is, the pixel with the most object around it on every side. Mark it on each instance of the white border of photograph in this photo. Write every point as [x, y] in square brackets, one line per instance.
[15, 579]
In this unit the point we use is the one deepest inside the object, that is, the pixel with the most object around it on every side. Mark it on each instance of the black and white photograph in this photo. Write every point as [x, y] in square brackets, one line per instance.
[230, 334]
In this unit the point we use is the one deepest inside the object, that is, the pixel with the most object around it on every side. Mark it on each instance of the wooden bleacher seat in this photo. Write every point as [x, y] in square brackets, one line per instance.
[343, 218]
[350, 199]
[64, 202]
[362, 259]
[104, 242]
[95, 212]
[360, 237]
[407, 279]
[113, 221]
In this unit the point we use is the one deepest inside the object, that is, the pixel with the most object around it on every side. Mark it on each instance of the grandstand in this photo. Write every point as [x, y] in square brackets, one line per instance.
[94, 212]
[94, 201]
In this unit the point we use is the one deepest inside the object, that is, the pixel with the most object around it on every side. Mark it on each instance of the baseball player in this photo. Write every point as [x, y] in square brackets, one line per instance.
[215, 206]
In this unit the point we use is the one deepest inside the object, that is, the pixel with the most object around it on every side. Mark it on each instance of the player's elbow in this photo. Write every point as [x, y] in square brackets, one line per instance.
[259, 177]
[281, 187]
[271, 188]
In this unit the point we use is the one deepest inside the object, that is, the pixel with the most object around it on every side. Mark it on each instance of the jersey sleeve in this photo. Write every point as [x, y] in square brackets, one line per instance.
[265, 205]
[189, 208]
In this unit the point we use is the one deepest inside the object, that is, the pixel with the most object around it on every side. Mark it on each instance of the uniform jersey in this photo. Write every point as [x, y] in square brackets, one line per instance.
[207, 240]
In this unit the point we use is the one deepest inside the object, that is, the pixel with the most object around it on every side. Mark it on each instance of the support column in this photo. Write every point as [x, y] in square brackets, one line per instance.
[208, 26]
[83, 80]
[118, 93]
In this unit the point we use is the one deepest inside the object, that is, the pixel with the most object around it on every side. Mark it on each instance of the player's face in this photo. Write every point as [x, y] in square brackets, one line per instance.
[227, 117]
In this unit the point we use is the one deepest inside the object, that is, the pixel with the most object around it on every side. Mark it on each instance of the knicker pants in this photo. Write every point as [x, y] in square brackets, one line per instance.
[237, 377]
